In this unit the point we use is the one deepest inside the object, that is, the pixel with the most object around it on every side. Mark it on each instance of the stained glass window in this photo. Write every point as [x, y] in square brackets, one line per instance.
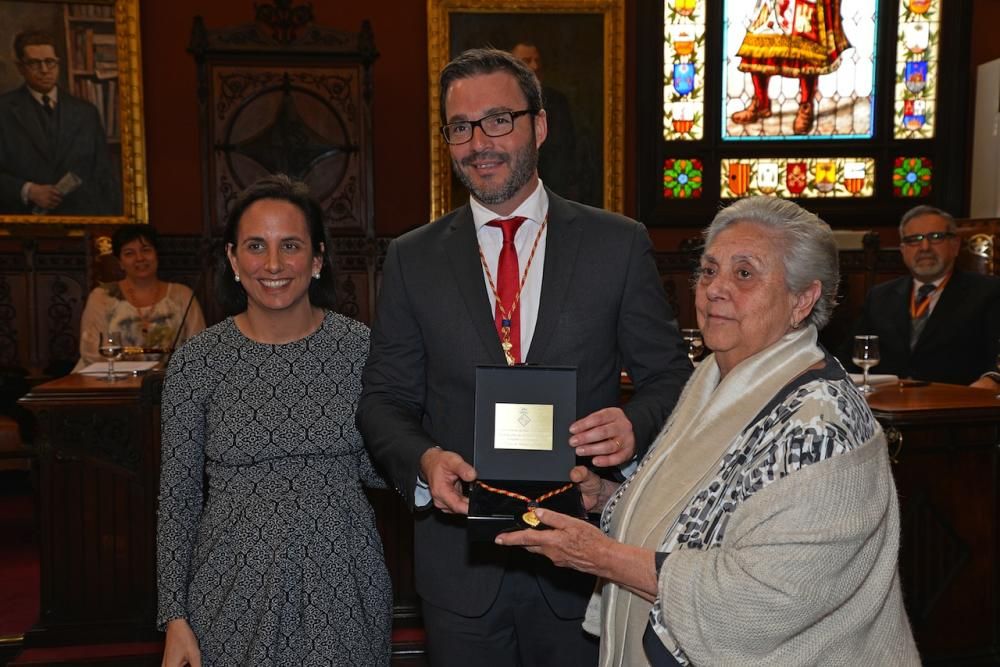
[683, 69]
[916, 69]
[682, 178]
[814, 177]
[912, 176]
[798, 69]
[821, 101]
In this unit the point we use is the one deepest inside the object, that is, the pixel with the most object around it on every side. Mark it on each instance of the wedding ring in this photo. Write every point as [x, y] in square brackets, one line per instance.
[618, 444]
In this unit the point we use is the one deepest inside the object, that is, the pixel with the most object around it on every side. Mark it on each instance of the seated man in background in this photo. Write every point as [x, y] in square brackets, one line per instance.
[938, 323]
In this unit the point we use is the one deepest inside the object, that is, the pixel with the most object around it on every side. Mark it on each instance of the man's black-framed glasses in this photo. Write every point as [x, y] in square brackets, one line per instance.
[933, 237]
[494, 125]
[36, 64]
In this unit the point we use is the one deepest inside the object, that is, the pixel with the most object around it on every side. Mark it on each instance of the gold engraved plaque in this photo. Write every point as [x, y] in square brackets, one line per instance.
[523, 426]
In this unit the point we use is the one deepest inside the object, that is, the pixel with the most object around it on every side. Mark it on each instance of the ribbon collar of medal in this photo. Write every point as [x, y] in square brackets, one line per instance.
[507, 313]
[528, 517]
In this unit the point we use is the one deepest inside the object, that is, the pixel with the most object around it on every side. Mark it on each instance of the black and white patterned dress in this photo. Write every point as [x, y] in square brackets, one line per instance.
[278, 562]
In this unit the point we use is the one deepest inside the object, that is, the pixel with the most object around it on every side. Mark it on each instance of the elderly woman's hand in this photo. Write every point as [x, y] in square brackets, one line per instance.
[571, 542]
[576, 544]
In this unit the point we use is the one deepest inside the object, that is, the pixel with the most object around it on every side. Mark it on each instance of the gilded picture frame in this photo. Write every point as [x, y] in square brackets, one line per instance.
[583, 50]
[98, 113]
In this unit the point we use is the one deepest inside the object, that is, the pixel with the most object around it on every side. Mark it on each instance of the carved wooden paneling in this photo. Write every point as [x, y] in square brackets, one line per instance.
[98, 469]
[295, 100]
[946, 464]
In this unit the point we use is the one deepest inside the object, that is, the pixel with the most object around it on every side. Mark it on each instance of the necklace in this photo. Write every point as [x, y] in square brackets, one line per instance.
[507, 313]
[144, 307]
[528, 517]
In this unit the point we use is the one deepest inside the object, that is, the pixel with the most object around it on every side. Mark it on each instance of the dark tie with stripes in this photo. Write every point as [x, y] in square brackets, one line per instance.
[918, 323]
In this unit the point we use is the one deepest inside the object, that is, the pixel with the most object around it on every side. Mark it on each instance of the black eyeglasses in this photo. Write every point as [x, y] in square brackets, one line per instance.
[36, 65]
[933, 237]
[494, 125]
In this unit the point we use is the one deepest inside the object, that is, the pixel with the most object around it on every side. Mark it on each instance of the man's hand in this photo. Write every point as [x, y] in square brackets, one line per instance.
[44, 196]
[180, 647]
[606, 435]
[594, 489]
[445, 471]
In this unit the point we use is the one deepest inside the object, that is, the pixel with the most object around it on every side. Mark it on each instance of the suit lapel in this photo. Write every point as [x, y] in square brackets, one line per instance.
[462, 249]
[27, 116]
[900, 314]
[562, 241]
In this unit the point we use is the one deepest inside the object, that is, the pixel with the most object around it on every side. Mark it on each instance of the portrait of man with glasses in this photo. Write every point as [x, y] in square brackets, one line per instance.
[938, 323]
[54, 157]
[515, 275]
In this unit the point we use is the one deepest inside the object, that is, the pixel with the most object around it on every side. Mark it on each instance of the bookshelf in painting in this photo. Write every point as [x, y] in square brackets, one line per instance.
[92, 60]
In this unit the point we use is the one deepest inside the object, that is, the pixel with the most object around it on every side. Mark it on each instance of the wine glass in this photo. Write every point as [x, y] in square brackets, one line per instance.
[695, 343]
[865, 356]
[110, 347]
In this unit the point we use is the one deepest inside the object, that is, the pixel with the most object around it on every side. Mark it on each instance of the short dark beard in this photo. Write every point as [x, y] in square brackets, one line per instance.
[522, 167]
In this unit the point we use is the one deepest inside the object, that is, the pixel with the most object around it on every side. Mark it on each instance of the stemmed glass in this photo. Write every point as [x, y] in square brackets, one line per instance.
[865, 356]
[110, 347]
[695, 343]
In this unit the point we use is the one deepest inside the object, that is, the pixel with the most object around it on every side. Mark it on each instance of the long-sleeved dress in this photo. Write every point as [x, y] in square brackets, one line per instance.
[279, 561]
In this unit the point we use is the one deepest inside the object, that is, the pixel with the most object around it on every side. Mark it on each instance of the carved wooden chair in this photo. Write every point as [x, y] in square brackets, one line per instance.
[979, 245]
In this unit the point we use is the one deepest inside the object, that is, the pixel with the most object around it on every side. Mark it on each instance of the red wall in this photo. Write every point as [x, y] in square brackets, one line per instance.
[402, 162]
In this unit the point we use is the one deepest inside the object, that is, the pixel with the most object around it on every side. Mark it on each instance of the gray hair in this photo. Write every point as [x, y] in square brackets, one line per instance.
[923, 209]
[809, 249]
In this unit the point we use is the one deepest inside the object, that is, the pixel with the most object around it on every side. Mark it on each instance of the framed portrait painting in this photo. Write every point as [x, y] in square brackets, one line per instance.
[576, 48]
[71, 128]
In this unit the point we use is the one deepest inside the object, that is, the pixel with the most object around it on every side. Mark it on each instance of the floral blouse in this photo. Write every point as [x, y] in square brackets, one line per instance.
[107, 309]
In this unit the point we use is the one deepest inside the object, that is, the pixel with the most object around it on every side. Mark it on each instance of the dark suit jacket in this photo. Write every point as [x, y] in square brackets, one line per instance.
[602, 307]
[959, 342]
[26, 154]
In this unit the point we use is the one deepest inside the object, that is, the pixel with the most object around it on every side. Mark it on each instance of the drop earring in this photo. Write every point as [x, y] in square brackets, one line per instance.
[236, 276]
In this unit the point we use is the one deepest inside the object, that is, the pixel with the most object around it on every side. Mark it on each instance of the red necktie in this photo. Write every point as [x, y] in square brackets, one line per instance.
[508, 282]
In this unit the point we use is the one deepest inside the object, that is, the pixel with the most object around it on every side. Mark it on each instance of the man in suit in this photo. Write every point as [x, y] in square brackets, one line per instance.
[938, 323]
[584, 292]
[47, 134]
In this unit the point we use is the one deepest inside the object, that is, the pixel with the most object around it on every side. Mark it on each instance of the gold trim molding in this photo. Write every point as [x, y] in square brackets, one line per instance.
[439, 39]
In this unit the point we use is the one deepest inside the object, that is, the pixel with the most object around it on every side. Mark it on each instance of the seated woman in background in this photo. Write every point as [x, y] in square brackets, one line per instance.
[762, 527]
[277, 560]
[146, 310]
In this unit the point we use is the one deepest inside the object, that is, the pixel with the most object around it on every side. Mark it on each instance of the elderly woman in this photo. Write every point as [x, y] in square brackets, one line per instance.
[762, 526]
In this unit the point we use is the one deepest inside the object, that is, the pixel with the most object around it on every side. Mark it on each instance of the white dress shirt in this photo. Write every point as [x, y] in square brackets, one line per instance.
[533, 209]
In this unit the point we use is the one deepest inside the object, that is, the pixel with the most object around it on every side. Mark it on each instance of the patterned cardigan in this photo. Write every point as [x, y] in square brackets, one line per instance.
[784, 552]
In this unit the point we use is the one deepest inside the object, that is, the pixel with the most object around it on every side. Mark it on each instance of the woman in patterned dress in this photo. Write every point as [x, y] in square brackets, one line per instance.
[146, 310]
[762, 526]
[267, 548]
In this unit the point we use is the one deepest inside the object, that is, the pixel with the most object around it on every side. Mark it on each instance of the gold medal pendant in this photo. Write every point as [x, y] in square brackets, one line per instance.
[506, 353]
[507, 345]
[531, 519]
